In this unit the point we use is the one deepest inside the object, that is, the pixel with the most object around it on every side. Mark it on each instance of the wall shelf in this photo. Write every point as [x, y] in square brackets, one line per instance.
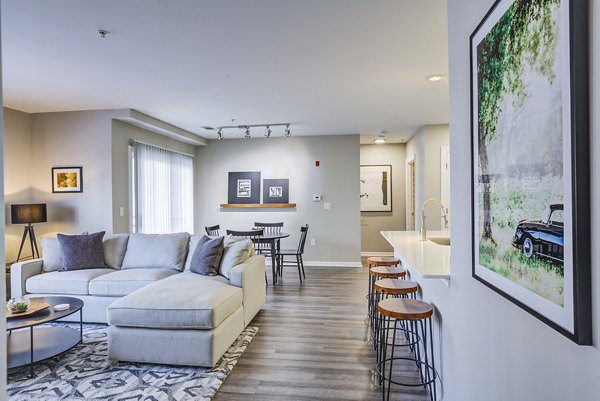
[257, 205]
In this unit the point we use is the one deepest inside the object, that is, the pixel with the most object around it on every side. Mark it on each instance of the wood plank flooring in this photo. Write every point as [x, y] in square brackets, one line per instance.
[312, 344]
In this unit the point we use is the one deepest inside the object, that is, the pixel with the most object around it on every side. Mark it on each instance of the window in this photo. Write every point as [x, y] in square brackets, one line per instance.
[162, 186]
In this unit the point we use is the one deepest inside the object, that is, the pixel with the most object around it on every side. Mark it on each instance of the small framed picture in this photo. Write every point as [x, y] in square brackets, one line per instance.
[244, 187]
[67, 179]
[276, 190]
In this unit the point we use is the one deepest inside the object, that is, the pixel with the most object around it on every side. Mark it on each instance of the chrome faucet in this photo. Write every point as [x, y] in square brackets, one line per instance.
[443, 216]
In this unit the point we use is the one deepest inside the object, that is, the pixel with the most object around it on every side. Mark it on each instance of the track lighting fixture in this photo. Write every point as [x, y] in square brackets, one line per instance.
[246, 128]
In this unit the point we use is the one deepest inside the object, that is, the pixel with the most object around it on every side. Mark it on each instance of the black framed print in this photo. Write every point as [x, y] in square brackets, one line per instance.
[276, 190]
[376, 188]
[67, 179]
[244, 187]
[530, 160]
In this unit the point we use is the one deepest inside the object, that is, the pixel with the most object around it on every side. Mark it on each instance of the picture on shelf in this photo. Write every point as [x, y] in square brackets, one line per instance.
[67, 179]
[244, 187]
[276, 190]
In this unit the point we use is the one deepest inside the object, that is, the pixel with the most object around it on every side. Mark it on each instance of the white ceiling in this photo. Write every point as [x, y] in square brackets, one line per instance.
[327, 66]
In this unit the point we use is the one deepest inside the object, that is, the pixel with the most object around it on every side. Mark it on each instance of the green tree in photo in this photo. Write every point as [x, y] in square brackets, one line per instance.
[525, 37]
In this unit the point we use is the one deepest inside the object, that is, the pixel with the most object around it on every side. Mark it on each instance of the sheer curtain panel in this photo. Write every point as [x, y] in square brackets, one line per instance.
[163, 188]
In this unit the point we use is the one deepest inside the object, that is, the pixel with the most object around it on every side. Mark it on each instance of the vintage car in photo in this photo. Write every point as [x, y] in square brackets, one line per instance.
[543, 238]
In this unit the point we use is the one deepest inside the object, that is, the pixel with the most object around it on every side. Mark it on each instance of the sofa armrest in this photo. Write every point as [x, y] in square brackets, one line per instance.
[20, 272]
[250, 277]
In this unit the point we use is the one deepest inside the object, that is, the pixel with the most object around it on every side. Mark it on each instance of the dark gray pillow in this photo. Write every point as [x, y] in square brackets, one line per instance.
[207, 256]
[81, 251]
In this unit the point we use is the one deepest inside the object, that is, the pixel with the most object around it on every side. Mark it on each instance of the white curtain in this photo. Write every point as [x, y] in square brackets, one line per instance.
[163, 190]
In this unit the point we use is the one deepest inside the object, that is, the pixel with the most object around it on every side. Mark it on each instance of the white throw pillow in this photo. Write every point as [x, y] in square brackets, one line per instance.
[156, 251]
[115, 247]
[191, 248]
[51, 255]
[235, 253]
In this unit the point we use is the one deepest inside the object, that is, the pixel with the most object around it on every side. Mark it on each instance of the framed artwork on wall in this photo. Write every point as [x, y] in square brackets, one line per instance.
[67, 179]
[376, 188]
[244, 187]
[276, 190]
[530, 160]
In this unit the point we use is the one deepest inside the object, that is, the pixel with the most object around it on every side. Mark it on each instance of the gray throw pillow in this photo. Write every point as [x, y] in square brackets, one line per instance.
[207, 256]
[82, 251]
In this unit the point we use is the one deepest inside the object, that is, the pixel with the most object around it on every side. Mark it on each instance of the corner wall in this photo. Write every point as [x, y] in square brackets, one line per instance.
[492, 349]
[372, 223]
[336, 231]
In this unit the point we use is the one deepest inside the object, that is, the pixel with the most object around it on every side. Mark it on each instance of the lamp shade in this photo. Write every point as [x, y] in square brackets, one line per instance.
[27, 214]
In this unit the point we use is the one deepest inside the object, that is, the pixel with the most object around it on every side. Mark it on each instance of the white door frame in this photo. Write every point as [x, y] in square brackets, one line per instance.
[411, 195]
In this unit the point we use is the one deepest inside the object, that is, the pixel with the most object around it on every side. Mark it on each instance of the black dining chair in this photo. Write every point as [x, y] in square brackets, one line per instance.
[252, 235]
[297, 253]
[268, 228]
[213, 231]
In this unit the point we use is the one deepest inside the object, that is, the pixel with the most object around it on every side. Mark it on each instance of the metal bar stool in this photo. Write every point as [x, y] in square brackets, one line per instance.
[386, 288]
[376, 273]
[378, 261]
[393, 311]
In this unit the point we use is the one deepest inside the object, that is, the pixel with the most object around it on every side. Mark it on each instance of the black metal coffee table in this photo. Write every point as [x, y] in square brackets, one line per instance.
[42, 342]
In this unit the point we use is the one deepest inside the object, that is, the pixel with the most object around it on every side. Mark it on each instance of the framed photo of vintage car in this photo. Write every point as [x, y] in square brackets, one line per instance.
[530, 160]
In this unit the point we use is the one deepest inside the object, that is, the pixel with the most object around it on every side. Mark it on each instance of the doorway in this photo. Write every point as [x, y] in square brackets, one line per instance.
[411, 180]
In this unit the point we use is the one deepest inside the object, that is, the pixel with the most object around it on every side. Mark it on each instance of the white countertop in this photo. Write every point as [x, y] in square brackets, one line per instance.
[427, 258]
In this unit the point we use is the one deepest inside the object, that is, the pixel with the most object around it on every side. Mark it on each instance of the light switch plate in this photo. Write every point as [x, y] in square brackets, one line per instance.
[327, 205]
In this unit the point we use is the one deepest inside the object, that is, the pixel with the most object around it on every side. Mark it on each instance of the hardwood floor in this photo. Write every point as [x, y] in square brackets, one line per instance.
[312, 344]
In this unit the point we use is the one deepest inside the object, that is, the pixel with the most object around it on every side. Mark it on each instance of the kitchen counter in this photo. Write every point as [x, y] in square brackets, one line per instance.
[427, 258]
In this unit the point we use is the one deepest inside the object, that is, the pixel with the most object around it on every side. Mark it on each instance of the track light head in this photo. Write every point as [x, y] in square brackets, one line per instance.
[220, 134]
[268, 132]
[247, 136]
[287, 131]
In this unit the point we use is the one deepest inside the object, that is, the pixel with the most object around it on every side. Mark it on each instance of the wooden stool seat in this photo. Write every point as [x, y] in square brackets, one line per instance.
[405, 309]
[387, 272]
[383, 261]
[395, 286]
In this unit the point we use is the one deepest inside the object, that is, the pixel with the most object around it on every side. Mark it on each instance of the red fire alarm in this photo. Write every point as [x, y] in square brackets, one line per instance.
[317, 163]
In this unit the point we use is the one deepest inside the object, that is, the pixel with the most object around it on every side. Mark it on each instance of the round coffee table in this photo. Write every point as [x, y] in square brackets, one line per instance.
[39, 343]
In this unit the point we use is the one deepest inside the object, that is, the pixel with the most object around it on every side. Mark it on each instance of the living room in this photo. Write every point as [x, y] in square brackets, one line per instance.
[491, 349]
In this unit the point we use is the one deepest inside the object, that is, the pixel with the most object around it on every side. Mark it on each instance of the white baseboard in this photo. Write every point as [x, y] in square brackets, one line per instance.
[311, 263]
[367, 254]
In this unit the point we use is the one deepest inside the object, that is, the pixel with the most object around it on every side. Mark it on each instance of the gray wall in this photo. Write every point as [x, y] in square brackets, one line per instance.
[121, 134]
[17, 174]
[2, 257]
[336, 231]
[425, 146]
[374, 222]
[492, 349]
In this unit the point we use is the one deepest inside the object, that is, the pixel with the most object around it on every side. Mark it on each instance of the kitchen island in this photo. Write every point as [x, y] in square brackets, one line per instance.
[426, 259]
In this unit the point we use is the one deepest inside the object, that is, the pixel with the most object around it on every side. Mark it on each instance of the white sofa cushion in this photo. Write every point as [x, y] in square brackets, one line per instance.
[74, 282]
[115, 246]
[156, 251]
[234, 254]
[123, 282]
[182, 301]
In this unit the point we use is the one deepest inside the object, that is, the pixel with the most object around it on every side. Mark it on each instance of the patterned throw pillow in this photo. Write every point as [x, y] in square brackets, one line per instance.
[82, 251]
[207, 256]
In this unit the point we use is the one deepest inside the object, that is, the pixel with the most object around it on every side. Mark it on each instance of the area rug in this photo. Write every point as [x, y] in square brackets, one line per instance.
[85, 373]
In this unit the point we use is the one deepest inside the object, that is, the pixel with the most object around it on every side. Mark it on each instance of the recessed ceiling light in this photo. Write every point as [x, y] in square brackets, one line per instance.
[380, 138]
[436, 77]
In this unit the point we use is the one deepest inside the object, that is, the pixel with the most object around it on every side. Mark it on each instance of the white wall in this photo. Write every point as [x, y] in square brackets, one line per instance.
[17, 175]
[374, 222]
[337, 231]
[492, 349]
[79, 138]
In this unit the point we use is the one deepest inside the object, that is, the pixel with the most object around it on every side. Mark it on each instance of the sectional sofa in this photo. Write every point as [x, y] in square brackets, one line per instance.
[158, 311]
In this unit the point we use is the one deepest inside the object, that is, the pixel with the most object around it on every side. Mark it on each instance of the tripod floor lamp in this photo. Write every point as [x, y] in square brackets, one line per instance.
[28, 214]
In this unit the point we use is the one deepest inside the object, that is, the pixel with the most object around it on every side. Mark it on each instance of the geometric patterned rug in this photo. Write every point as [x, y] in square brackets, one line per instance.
[85, 373]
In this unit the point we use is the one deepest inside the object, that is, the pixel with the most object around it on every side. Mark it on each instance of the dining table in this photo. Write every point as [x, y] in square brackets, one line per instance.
[273, 240]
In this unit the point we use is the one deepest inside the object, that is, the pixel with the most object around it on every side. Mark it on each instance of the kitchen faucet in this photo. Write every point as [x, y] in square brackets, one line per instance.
[443, 216]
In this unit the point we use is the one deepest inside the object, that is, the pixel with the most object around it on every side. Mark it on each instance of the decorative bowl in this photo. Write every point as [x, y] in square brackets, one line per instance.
[18, 305]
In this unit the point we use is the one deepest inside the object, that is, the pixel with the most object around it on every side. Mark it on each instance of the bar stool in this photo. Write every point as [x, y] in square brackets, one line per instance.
[372, 262]
[394, 311]
[376, 273]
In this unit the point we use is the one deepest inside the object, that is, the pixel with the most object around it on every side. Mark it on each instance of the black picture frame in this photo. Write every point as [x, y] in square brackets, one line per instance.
[244, 187]
[276, 190]
[67, 179]
[573, 318]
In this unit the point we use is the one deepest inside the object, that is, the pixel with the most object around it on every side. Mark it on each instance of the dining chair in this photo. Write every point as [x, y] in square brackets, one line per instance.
[213, 230]
[297, 253]
[269, 228]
